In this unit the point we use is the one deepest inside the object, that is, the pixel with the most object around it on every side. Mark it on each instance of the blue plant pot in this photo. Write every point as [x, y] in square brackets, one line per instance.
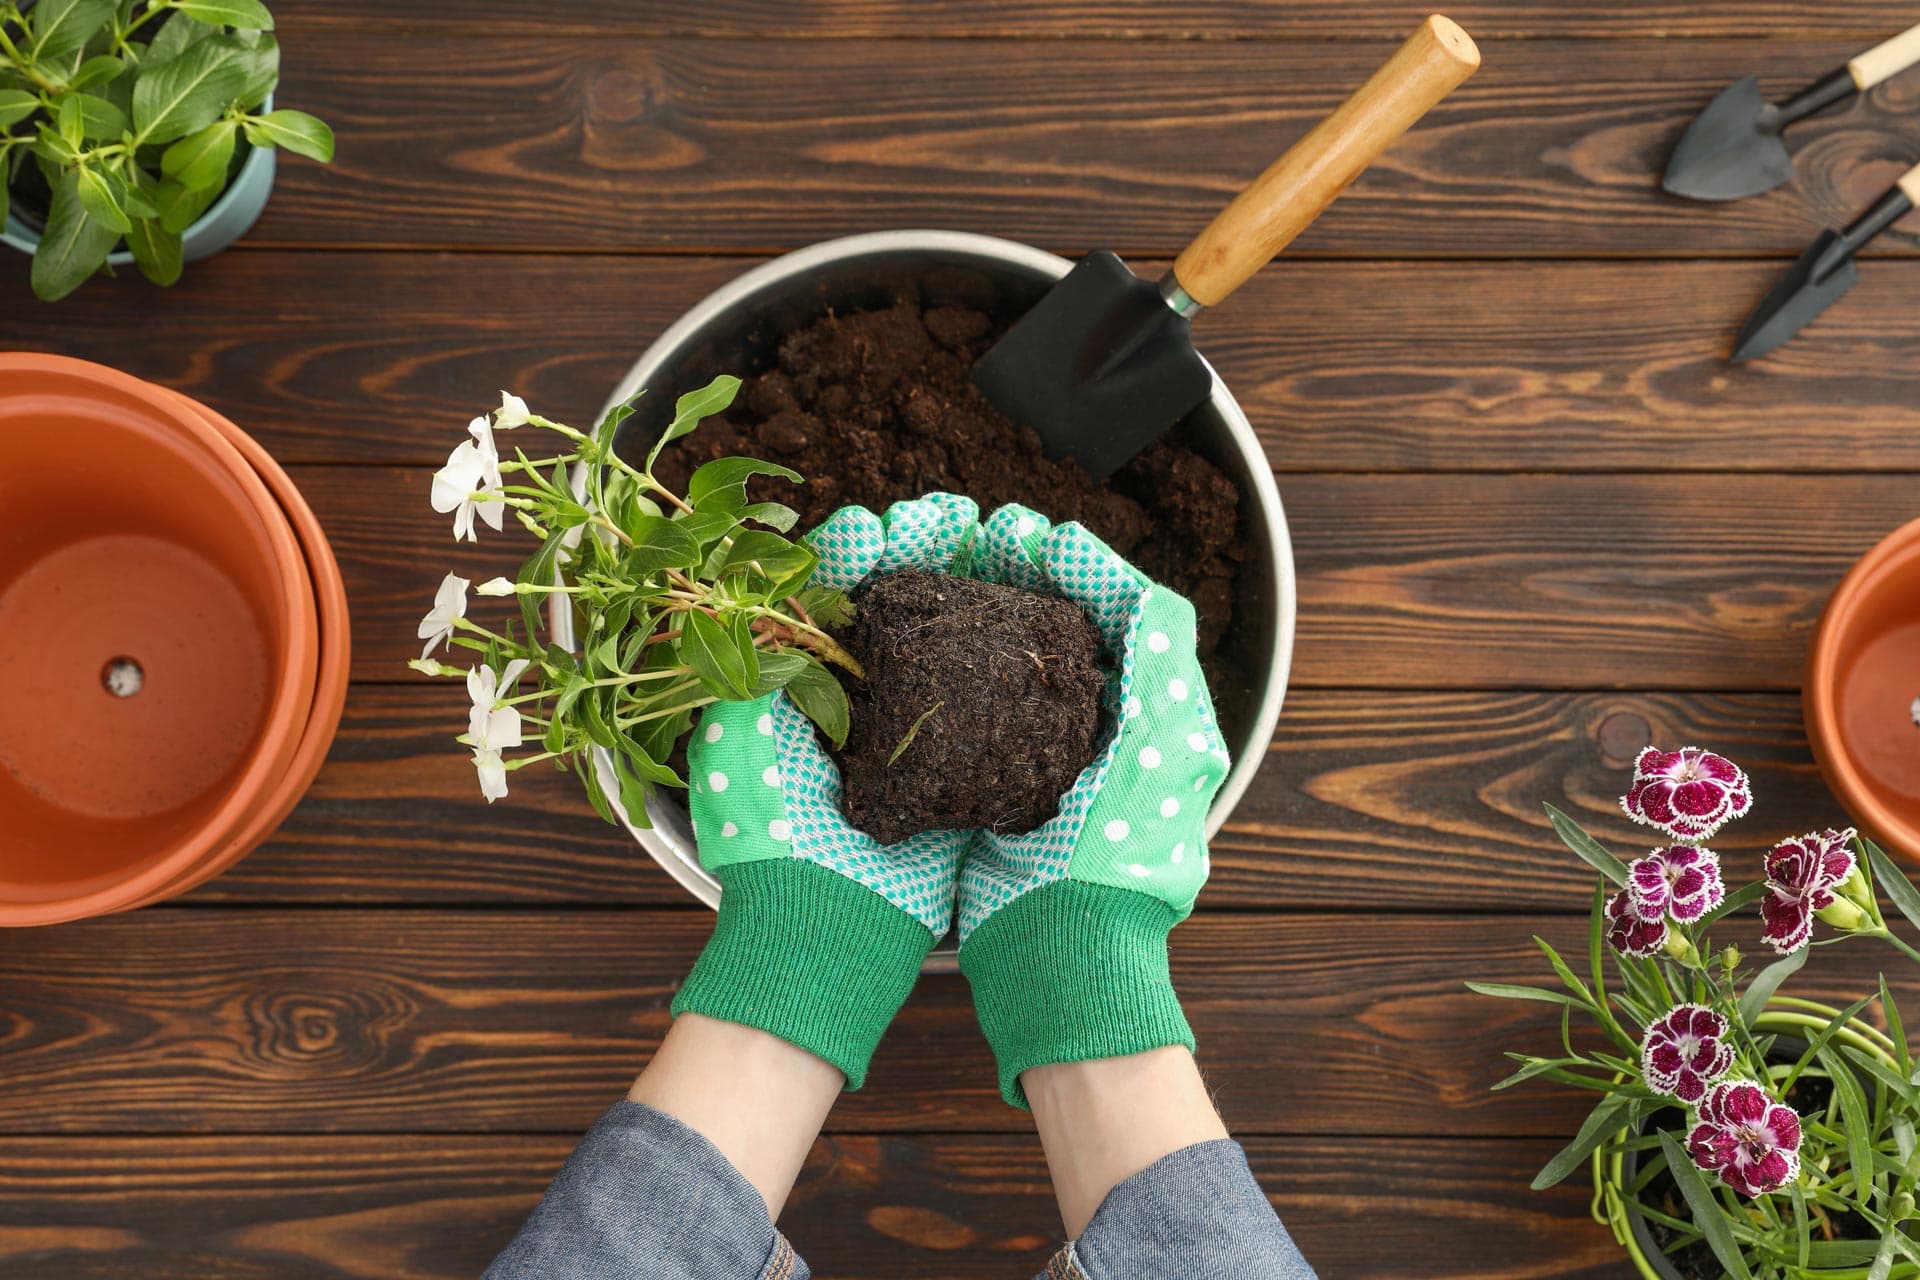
[226, 220]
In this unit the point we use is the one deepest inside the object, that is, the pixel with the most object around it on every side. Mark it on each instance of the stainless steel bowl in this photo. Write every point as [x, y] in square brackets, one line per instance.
[737, 329]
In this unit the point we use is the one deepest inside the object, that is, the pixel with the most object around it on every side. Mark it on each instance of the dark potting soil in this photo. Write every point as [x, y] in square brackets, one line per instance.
[980, 707]
[876, 406]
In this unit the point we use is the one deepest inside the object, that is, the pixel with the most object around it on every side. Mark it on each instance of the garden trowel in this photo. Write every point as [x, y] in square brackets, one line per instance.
[1823, 273]
[1104, 363]
[1733, 149]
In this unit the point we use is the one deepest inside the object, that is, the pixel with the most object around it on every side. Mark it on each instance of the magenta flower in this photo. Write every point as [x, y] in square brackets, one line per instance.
[1685, 1051]
[1747, 1138]
[1689, 794]
[1630, 933]
[1802, 875]
[1681, 881]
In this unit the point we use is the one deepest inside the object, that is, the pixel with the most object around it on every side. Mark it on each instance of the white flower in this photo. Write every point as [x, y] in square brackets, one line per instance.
[473, 467]
[511, 413]
[491, 729]
[493, 773]
[494, 587]
[449, 605]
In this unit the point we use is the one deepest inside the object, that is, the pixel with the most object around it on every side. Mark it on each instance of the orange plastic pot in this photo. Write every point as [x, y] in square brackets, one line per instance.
[1862, 695]
[336, 653]
[158, 641]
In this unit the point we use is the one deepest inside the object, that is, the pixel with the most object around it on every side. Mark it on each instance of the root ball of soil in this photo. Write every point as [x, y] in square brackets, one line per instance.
[981, 705]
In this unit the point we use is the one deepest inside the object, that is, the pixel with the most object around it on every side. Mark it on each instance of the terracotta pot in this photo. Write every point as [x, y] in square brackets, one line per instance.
[330, 687]
[1862, 694]
[158, 641]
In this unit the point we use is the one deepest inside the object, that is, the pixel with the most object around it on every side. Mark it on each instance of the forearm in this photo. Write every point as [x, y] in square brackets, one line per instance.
[758, 1099]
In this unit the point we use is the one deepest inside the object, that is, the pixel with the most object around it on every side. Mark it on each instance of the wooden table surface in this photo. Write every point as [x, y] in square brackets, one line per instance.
[1539, 523]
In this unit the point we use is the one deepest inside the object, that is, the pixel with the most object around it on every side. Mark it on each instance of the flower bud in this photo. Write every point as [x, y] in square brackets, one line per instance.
[1680, 948]
[1730, 960]
[494, 587]
[1854, 889]
[1842, 914]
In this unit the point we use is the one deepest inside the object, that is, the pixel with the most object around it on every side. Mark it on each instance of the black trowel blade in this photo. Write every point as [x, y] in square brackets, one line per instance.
[1100, 366]
[1732, 149]
[1823, 273]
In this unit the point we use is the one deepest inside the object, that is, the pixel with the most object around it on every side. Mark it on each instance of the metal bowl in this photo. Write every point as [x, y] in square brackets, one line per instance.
[737, 329]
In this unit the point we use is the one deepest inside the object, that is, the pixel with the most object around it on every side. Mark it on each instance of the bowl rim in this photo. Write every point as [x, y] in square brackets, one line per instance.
[1819, 692]
[292, 691]
[684, 867]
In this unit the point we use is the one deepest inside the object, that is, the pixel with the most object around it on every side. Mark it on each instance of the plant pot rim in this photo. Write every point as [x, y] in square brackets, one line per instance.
[1820, 696]
[291, 687]
[677, 855]
[336, 655]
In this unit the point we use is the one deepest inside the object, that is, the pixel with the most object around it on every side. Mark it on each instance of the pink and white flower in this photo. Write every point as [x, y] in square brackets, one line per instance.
[1689, 794]
[1746, 1137]
[1802, 874]
[1629, 933]
[1681, 881]
[1684, 1051]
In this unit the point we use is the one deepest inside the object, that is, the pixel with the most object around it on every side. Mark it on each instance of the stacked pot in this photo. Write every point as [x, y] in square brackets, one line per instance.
[173, 642]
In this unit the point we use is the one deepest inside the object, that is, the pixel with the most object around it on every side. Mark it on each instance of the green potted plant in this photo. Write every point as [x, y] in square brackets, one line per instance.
[138, 132]
[1737, 1131]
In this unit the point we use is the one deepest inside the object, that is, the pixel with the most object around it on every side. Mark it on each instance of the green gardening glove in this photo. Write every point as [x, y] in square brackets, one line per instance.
[821, 929]
[1063, 931]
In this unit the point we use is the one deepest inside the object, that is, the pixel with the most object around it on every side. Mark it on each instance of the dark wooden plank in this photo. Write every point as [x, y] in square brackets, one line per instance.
[1400, 800]
[289, 1021]
[1342, 366]
[629, 144]
[1211, 19]
[1425, 582]
[438, 1208]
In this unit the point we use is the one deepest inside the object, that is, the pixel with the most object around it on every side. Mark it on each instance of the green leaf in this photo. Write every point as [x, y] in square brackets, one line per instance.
[1600, 1124]
[73, 246]
[827, 607]
[103, 196]
[777, 670]
[258, 56]
[1507, 991]
[185, 95]
[705, 646]
[1894, 881]
[1896, 1029]
[1707, 1213]
[721, 485]
[782, 562]
[690, 408]
[294, 131]
[1856, 1117]
[180, 206]
[201, 158]
[740, 632]
[1586, 847]
[62, 27]
[156, 251]
[821, 699]
[1768, 981]
[16, 105]
[774, 515]
[70, 120]
[707, 528]
[538, 569]
[1872, 1065]
[658, 543]
[177, 34]
[589, 771]
[99, 119]
[96, 70]
[249, 15]
[1733, 902]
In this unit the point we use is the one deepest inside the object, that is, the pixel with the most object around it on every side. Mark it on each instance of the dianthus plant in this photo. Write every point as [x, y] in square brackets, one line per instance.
[1760, 1135]
[675, 600]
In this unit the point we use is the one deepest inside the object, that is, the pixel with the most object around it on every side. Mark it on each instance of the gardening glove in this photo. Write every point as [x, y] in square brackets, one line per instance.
[1063, 931]
[821, 928]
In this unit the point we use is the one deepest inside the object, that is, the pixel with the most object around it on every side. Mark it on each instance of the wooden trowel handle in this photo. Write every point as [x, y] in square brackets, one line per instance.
[1283, 201]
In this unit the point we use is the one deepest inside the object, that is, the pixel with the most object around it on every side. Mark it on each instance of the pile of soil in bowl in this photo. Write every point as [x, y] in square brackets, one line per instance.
[876, 406]
[980, 706]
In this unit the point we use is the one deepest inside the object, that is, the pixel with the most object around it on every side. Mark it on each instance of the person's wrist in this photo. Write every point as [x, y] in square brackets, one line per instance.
[808, 955]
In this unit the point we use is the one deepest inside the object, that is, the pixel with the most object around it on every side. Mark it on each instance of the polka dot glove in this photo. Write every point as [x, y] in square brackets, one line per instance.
[821, 929]
[1063, 931]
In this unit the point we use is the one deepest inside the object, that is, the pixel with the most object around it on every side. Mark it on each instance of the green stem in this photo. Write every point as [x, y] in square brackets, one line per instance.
[664, 712]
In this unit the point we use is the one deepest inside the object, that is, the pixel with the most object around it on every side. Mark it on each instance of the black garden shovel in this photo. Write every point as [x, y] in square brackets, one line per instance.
[1104, 364]
[1733, 149]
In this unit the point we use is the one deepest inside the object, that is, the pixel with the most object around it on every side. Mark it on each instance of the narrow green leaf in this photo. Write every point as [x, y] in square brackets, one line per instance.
[1707, 1214]
[249, 15]
[589, 770]
[1856, 1117]
[1894, 882]
[1801, 1235]
[1768, 981]
[705, 646]
[538, 569]
[1507, 991]
[73, 246]
[821, 699]
[1896, 1029]
[1883, 1258]
[16, 105]
[201, 158]
[156, 251]
[1600, 1124]
[1586, 847]
[294, 131]
[690, 408]
[1563, 970]
[185, 95]
[63, 27]
[1897, 1083]
[1532, 1068]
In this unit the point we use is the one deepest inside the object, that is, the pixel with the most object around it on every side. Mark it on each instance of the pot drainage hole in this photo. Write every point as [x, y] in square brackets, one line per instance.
[122, 677]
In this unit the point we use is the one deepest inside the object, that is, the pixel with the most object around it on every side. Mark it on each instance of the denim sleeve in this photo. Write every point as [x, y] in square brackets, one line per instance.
[1197, 1214]
[645, 1196]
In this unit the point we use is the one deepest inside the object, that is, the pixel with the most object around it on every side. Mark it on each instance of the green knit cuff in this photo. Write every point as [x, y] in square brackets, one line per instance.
[808, 955]
[1072, 972]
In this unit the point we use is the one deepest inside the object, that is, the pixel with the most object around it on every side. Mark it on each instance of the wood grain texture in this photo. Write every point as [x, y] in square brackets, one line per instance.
[292, 1021]
[626, 144]
[1342, 366]
[958, 1207]
[1405, 801]
[1422, 582]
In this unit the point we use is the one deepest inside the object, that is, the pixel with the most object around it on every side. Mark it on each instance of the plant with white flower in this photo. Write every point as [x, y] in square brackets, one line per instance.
[676, 600]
